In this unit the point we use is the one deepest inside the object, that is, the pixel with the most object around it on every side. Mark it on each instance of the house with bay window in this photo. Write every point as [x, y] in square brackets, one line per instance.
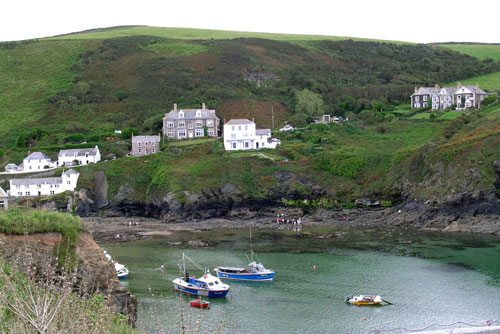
[190, 123]
[464, 97]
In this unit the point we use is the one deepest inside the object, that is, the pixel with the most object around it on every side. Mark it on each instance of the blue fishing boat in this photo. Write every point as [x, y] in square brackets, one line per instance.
[205, 286]
[254, 272]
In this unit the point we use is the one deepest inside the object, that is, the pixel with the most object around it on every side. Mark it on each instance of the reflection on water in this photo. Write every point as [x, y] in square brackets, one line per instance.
[430, 278]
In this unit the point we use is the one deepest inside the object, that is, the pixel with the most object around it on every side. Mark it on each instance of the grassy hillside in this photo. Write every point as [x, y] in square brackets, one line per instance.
[489, 82]
[480, 51]
[190, 33]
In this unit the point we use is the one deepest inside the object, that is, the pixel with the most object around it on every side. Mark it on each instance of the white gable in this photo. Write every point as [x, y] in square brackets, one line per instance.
[463, 90]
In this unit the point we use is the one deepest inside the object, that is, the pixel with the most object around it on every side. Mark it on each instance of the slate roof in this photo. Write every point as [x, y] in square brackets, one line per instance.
[239, 122]
[80, 152]
[263, 132]
[36, 181]
[427, 90]
[449, 90]
[37, 156]
[137, 139]
[191, 114]
[476, 91]
[71, 171]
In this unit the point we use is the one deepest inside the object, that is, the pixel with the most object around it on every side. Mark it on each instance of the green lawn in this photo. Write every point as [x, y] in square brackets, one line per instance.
[446, 115]
[480, 51]
[189, 142]
[490, 82]
[189, 33]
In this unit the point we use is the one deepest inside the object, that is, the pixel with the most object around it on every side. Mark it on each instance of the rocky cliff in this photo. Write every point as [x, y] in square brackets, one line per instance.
[95, 274]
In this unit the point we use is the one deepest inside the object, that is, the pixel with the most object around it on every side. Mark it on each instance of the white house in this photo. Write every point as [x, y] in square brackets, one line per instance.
[44, 186]
[468, 96]
[83, 156]
[35, 162]
[4, 199]
[241, 134]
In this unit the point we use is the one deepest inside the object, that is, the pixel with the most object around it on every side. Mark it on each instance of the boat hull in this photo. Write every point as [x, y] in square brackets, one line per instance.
[122, 276]
[269, 276]
[201, 292]
[199, 304]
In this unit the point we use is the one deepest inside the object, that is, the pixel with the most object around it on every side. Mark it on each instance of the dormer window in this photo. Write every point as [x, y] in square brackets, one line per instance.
[198, 113]
[181, 114]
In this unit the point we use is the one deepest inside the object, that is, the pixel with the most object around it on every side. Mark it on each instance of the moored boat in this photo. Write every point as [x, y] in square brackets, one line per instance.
[199, 303]
[254, 272]
[121, 270]
[205, 286]
[362, 300]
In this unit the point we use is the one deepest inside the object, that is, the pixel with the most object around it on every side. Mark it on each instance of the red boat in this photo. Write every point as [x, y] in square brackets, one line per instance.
[199, 303]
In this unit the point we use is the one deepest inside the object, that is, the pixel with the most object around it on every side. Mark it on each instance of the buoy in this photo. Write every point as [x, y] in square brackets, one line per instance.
[314, 267]
[364, 318]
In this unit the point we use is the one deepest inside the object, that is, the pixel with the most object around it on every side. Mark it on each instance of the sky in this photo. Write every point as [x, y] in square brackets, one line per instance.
[420, 21]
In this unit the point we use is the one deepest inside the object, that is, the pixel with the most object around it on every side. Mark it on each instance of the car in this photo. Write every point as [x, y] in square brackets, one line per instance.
[287, 127]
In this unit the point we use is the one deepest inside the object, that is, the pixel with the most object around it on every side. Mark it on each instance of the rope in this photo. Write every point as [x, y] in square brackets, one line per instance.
[489, 323]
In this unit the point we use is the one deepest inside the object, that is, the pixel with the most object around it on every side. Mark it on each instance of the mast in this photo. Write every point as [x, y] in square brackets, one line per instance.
[183, 263]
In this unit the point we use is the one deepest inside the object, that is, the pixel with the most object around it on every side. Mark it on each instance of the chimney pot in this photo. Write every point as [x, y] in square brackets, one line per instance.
[416, 89]
[175, 106]
[203, 106]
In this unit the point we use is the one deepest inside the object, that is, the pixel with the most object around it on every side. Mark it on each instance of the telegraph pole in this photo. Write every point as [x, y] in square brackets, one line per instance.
[272, 112]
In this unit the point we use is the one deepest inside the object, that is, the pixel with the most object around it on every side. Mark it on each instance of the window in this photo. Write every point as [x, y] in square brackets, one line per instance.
[170, 133]
[20, 193]
[417, 98]
[425, 97]
[57, 186]
[52, 186]
[199, 133]
[17, 187]
[68, 182]
[246, 145]
[139, 144]
[211, 132]
[153, 144]
[190, 125]
[38, 185]
[246, 127]
[232, 127]
[210, 122]
[146, 144]
[233, 135]
[152, 150]
[182, 124]
[234, 145]
[52, 192]
[170, 124]
[30, 167]
[245, 135]
[140, 151]
[27, 193]
[181, 114]
[239, 127]
[26, 186]
[199, 123]
[181, 134]
[425, 104]
[198, 113]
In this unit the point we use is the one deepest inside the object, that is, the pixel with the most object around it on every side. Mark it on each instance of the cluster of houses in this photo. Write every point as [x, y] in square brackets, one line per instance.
[238, 134]
[463, 97]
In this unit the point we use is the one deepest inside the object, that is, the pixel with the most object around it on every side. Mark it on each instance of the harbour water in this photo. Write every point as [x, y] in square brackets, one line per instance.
[431, 278]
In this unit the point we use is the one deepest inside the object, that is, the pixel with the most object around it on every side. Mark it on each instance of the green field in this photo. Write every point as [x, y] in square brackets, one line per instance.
[189, 33]
[446, 115]
[490, 82]
[480, 51]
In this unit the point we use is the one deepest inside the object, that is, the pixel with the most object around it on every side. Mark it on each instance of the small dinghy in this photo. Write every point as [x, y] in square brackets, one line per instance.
[362, 300]
[199, 303]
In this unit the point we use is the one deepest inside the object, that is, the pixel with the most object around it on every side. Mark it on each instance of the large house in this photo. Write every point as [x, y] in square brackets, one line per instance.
[144, 145]
[44, 186]
[82, 156]
[242, 134]
[34, 162]
[190, 123]
[444, 97]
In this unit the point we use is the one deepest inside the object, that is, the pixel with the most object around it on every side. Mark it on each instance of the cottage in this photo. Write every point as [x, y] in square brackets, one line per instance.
[44, 186]
[241, 134]
[190, 123]
[82, 156]
[144, 145]
[4, 199]
[34, 162]
[422, 97]
[468, 97]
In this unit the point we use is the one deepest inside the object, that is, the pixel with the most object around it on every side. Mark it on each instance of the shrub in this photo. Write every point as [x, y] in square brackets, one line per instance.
[127, 133]
[121, 95]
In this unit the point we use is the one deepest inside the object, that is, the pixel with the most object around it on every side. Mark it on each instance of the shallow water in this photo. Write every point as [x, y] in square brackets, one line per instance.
[430, 278]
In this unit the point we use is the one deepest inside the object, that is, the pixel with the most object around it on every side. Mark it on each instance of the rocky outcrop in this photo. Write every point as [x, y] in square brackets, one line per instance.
[95, 274]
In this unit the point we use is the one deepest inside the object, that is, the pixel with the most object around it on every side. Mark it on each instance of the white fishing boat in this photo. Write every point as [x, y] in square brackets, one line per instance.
[121, 270]
[363, 300]
[254, 272]
[205, 286]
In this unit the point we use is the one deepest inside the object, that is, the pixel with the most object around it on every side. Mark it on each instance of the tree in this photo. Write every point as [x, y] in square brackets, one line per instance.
[309, 103]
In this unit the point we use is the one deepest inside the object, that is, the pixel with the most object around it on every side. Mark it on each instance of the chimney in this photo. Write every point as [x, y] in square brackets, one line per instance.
[436, 87]
[203, 106]
[175, 106]
[253, 119]
[416, 89]
[224, 120]
[477, 86]
[459, 84]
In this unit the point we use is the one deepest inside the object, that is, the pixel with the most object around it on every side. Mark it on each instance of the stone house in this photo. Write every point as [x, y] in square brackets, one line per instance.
[468, 97]
[242, 134]
[190, 123]
[444, 97]
[144, 145]
[83, 156]
[46, 186]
